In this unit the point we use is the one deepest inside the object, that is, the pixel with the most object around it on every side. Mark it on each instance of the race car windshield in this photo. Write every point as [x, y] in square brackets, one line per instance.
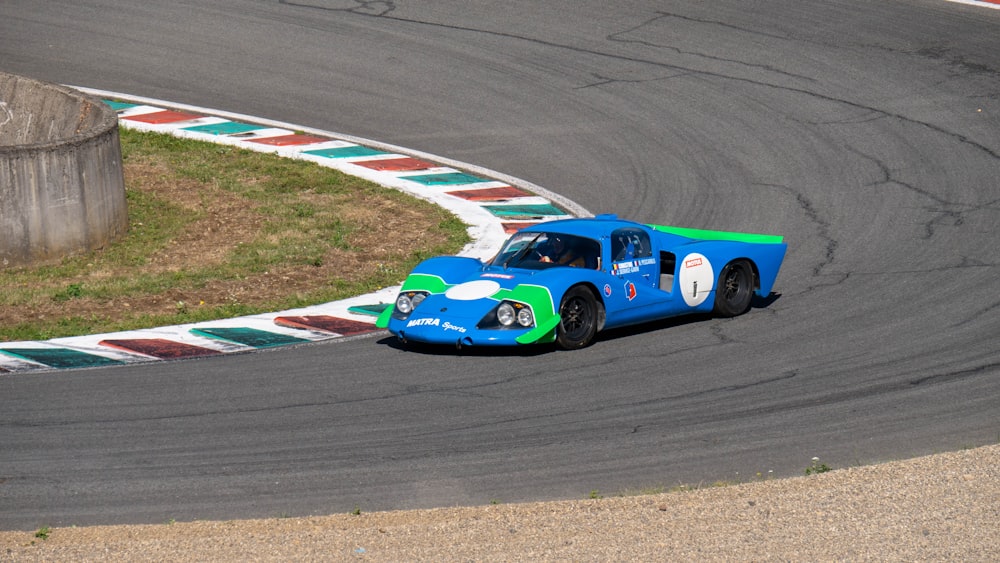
[539, 250]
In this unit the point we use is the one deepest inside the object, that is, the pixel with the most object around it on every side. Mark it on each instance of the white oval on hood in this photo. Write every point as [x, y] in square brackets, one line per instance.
[470, 291]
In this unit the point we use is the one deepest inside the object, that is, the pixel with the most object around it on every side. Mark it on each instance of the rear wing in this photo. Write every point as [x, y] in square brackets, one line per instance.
[705, 234]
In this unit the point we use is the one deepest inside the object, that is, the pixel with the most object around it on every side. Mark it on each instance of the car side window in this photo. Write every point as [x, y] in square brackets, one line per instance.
[629, 244]
[590, 250]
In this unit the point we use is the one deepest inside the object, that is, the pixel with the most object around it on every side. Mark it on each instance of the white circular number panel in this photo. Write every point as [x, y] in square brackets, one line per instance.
[697, 279]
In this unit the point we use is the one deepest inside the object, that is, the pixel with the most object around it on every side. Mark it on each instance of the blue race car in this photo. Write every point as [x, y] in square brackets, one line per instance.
[566, 280]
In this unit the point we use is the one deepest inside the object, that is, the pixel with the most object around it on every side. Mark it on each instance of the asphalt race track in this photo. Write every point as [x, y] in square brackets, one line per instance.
[866, 133]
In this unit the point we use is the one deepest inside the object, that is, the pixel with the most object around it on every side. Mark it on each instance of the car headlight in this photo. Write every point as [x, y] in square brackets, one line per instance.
[525, 317]
[417, 298]
[509, 314]
[506, 314]
[408, 301]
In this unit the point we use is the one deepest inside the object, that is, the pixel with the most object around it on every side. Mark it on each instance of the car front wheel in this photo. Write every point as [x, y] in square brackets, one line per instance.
[578, 319]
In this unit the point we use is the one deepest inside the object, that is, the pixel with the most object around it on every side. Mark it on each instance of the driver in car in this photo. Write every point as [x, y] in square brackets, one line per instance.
[558, 252]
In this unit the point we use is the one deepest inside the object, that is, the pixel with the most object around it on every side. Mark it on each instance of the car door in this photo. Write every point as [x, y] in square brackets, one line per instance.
[632, 257]
[634, 265]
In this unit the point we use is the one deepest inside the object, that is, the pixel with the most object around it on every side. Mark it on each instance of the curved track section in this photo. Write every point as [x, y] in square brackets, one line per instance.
[866, 133]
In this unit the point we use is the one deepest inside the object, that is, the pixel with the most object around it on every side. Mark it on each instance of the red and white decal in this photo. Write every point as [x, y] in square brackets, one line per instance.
[630, 291]
[693, 262]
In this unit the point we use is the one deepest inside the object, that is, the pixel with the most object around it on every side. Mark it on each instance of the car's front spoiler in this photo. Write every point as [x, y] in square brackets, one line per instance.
[448, 334]
[473, 338]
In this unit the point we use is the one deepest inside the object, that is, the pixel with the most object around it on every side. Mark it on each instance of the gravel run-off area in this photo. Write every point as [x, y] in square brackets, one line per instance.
[943, 507]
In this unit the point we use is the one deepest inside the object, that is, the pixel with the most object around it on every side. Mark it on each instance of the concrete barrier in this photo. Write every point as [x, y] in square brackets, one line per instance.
[62, 190]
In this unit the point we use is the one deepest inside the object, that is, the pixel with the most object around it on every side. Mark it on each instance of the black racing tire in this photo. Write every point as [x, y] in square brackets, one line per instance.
[578, 318]
[735, 289]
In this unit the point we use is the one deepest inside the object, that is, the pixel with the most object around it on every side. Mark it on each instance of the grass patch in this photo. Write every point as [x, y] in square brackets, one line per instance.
[218, 231]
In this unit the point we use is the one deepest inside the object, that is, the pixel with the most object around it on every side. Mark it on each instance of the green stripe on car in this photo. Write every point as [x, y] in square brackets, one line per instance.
[705, 234]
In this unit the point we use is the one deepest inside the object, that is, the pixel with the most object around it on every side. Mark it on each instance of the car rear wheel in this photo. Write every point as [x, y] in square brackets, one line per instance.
[735, 289]
[578, 319]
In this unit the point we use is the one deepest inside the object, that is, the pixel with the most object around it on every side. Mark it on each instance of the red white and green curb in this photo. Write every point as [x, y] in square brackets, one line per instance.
[995, 4]
[491, 203]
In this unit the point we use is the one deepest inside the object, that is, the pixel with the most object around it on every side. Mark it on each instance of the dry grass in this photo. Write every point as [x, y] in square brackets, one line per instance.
[217, 232]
